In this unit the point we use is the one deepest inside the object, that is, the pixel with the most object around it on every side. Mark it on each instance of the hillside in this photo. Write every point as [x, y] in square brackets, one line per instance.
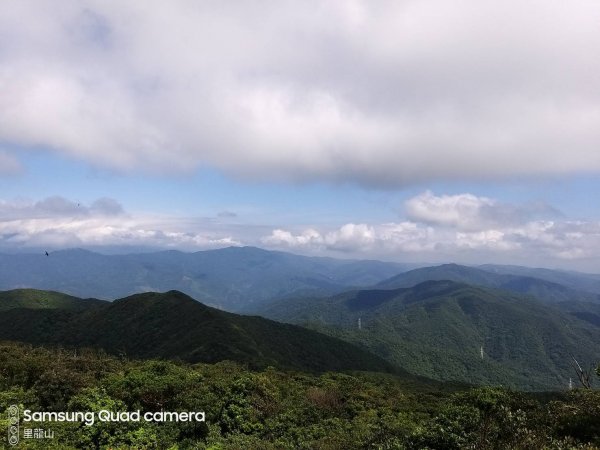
[231, 278]
[38, 299]
[437, 329]
[175, 326]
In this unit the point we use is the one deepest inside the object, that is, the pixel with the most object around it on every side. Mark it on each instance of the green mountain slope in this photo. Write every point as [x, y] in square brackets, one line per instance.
[175, 326]
[588, 312]
[438, 328]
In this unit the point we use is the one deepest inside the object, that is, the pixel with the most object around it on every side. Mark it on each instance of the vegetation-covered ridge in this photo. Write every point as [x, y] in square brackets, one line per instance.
[271, 409]
[39, 299]
[172, 325]
[455, 331]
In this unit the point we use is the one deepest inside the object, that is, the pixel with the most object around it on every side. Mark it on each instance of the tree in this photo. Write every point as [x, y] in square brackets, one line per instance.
[583, 375]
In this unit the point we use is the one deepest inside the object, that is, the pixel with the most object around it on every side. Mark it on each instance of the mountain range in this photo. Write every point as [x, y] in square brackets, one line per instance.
[233, 278]
[489, 324]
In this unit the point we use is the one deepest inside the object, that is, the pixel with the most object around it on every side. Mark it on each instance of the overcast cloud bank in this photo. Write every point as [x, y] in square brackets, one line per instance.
[376, 93]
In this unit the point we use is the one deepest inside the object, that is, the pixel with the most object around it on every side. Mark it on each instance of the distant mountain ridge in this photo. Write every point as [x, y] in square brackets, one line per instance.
[230, 278]
[172, 325]
[242, 279]
[588, 282]
[438, 329]
[543, 289]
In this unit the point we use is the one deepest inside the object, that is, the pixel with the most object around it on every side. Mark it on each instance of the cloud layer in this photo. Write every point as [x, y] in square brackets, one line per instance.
[437, 228]
[56, 222]
[380, 94]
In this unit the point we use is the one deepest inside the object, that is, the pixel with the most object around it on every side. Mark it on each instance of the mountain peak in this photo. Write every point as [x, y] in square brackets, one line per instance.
[171, 297]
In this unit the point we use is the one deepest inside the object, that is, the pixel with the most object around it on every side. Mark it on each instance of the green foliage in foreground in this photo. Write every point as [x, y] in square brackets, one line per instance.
[271, 409]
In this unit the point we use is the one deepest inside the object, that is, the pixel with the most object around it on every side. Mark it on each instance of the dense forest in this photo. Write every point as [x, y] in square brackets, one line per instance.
[274, 409]
[455, 331]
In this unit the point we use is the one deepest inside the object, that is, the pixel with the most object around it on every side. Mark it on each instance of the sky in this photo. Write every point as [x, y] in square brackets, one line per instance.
[417, 131]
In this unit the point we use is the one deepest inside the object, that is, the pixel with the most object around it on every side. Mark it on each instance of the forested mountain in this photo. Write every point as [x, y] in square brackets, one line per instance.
[439, 329]
[232, 278]
[174, 326]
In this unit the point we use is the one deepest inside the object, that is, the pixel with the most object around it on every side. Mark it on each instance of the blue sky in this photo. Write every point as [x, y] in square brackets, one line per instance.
[208, 192]
[410, 131]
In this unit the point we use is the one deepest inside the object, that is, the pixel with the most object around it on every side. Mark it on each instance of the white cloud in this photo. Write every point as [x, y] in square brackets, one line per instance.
[394, 93]
[348, 238]
[459, 228]
[469, 212]
[351, 237]
[56, 222]
[461, 211]
[535, 243]
[309, 237]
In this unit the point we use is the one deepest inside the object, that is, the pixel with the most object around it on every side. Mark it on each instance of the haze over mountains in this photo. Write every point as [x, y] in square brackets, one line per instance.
[500, 277]
[241, 278]
[232, 278]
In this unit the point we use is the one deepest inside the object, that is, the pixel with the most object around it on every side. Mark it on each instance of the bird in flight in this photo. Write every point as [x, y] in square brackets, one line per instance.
[47, 254]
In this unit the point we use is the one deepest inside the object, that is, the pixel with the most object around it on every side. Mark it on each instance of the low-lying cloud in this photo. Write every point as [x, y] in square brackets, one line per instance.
[376, 93]
[460, 228]
[437, 228]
